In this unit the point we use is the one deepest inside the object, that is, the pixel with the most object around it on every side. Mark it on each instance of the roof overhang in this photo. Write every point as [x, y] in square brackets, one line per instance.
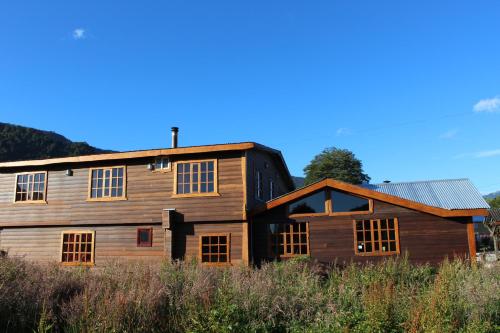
[370, 194]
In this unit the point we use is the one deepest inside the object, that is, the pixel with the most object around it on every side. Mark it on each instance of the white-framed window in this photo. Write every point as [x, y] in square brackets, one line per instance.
[271, 189]
[162, 163]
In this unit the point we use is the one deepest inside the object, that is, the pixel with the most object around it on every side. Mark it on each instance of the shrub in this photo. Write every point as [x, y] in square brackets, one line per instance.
[293, 296]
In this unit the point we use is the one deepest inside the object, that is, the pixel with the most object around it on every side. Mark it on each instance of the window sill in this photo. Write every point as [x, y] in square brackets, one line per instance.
[74, 264]
[331, 214]
[161, 170]
[31, 202]
[381, 254]
[106, 199]
[194, 195]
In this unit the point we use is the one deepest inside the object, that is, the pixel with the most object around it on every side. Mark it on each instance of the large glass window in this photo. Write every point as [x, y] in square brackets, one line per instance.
[214, 249]
[107, 183]
[78, 247]
[196, 177]
[342, 202]
[376, 237]
[30, 187]
[290, 239]
[312, 204]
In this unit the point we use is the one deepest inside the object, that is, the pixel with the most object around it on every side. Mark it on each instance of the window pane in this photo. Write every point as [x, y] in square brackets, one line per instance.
[312, 204]
[348, 203]
[383, 224]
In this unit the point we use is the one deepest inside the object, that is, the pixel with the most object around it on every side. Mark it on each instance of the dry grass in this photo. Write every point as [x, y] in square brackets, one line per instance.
[296, 296]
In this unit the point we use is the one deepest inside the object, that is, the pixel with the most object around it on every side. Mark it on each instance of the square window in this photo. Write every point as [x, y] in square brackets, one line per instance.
[145, 237]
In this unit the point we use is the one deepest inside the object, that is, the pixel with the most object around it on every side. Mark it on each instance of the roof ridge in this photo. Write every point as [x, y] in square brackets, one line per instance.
[420, 181]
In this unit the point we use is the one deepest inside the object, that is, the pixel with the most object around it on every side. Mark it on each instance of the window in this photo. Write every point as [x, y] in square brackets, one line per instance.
[162, 163]
[214, 249]
[78, 247]
[145, 237]
[107, 183]
[30, 187]
[290, 239]
[312, 204]
[271, 189]
[196, 178]
[376, 237]
[259, 185]
[342, 203]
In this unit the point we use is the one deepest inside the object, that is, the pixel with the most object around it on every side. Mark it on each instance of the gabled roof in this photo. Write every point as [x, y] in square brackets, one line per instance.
[241, 146]
[137, 154]
[363, 191]
[446, 193]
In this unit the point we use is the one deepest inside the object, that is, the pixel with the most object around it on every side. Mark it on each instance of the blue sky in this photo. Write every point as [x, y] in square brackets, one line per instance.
[411, 87]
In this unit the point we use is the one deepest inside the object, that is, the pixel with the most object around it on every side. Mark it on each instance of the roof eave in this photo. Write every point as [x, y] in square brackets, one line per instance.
[371, 194]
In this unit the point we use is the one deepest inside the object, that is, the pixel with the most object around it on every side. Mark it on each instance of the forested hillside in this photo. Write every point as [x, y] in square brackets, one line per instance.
[24, 143]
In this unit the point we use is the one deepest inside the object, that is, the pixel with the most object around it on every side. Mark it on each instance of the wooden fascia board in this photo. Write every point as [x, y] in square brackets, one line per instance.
[130, 155]
[373, 195]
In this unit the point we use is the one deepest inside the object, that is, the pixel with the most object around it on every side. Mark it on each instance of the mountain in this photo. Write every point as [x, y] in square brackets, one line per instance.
[19, 143]
[492, 195]
[298, 181]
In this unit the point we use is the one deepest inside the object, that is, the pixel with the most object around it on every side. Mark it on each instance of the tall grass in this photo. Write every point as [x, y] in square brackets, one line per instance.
[295, 296]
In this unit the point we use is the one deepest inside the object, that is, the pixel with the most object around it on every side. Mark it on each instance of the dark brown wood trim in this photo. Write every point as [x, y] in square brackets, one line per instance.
[471, 238]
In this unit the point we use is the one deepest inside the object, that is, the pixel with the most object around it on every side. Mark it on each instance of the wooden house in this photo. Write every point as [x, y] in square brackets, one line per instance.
[221, 204]
[333, 221]
[180, 203]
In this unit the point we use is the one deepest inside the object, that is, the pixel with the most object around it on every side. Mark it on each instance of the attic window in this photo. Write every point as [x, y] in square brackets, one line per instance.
[162, 163]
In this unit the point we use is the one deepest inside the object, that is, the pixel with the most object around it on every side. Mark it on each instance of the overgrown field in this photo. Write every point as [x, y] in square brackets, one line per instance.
[296, 296]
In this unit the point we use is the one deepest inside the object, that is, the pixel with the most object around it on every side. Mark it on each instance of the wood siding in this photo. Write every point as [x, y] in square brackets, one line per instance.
[258, 160]
[43, 244]
[186, 239]
[147, 194]
[425, 237]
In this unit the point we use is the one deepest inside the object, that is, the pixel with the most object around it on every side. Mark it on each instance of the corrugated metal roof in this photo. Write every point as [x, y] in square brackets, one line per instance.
[447, 193]
[495, 214]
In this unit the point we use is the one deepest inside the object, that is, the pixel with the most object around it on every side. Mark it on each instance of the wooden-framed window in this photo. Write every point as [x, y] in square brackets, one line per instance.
[214, 249]
[31, 187]
[145, 237]
[194, 178]
[290, 239]
[108, 183]
[259, 185]
[162, 163]
[77, 247]
[332, 203]
[376, 237]
[314, 204]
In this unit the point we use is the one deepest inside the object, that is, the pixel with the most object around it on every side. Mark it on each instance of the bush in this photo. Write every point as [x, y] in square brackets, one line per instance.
[293, 296]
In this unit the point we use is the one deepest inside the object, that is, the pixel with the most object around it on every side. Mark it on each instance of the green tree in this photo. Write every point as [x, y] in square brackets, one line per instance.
[339, 164]
[495, 202]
